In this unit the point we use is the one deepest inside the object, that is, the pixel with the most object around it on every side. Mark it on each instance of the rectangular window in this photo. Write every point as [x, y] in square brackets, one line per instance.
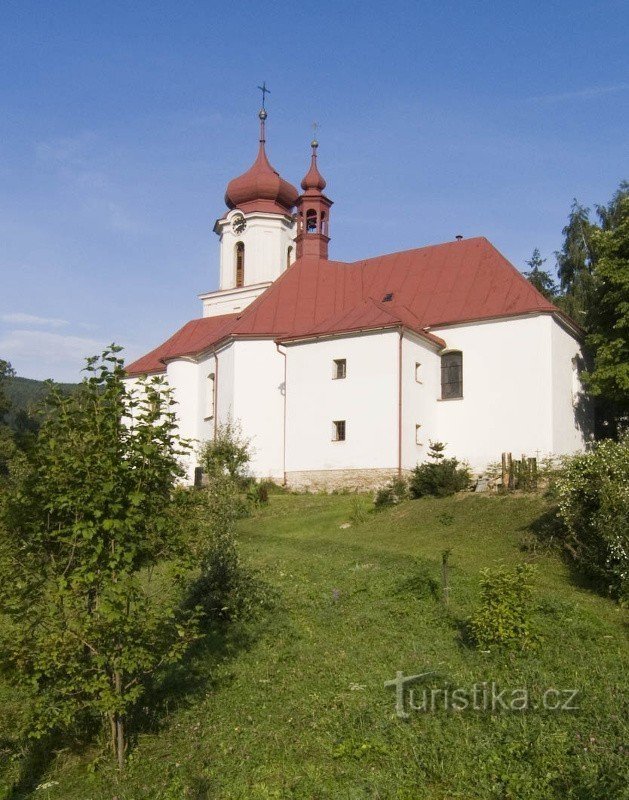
[418, 436]
[340, 368]
[451, 375]
[418, 377]
[338, 432]
[211, 393]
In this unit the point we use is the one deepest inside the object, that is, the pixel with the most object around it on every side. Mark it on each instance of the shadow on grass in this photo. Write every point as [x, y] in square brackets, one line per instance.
[548, 531]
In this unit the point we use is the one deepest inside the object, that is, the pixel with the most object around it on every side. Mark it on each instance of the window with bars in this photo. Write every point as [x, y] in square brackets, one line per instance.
[451, 375]
[340, 368]
[338, 430]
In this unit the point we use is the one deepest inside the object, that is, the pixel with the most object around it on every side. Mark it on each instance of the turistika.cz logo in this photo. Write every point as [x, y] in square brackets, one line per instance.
[485, 696]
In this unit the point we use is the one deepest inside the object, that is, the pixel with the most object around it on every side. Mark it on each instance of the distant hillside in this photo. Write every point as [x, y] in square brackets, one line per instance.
[27, 394]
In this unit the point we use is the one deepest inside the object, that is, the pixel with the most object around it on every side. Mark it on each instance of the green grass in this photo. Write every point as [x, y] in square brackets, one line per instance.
[294, 705]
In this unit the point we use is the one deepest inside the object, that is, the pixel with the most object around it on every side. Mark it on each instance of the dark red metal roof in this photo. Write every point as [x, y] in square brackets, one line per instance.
[429, 287]
[193, 338]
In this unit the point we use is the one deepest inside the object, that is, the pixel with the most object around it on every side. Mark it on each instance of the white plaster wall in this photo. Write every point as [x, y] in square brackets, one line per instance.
[572, 412]
[258, 404]
[267, 238]
[418, 398]
[507, 390]
[231, 300]
[367, 399]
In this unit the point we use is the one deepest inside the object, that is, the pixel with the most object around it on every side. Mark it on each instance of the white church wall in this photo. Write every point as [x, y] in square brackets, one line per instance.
[507, 390]
[420, 387]
[367, 399]
[266, 237]
[572, 413]
[259, 404]
[230, 301]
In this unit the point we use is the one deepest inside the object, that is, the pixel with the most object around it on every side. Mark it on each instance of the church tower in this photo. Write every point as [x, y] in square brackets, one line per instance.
[313, 213]
[256, 234]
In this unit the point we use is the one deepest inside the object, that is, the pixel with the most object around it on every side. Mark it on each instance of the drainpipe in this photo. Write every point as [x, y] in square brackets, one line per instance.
[215, 394]
[277, 346]
[399, 417]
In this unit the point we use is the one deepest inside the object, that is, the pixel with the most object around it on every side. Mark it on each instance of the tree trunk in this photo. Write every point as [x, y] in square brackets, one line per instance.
[120, 733]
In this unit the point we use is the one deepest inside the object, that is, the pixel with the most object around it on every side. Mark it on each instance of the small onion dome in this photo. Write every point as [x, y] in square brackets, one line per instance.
[313, 178]
[261, 188]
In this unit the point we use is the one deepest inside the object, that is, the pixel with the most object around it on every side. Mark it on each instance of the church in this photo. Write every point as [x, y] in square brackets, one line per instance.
[341, 373]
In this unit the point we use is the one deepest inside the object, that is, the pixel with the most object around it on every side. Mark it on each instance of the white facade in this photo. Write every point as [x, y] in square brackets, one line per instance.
[268, 242]
[518, 396]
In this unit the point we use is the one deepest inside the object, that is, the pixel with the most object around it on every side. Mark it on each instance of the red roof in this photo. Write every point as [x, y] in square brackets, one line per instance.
[193, 338]
[420, 289]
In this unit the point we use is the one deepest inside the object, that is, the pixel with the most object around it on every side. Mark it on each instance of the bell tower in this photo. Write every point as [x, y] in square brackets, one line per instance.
[256, 234]
[313, 213]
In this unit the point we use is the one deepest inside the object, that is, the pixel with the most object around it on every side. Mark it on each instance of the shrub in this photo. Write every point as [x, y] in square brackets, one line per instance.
[593, 494]
[258, 493]
[393, 493]
[503, 619]
[228, 452]
[358, 512]
[440, 477]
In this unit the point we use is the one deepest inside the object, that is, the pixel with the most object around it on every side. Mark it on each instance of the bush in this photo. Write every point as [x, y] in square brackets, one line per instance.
[440, 477]
[358, 512]
[593, 494]
[228, 452]
[393, 493]
[258, 493]
[503, 619]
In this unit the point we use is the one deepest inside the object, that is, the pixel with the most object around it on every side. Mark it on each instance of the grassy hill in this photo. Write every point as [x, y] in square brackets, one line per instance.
[295, 705]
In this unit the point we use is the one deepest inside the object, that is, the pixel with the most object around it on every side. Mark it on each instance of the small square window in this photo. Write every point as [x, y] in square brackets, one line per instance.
[339, 430]
[418, 435]
[418, 374]
[340, 368]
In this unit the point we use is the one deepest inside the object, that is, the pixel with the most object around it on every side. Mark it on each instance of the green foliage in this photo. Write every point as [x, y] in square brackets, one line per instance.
[540, 279]
[609, 315]
[226, 589]
[593, 494]
[504, 616]
[88, 518]
[395, 491]
[358, 511]
[228, 452]
[6, 371]
[258, 493]
[439, 477]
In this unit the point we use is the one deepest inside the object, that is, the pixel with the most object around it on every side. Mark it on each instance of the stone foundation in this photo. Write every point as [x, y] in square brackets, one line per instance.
[329, 480]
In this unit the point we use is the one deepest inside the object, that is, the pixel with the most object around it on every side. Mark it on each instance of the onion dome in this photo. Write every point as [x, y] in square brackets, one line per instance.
[261, 188]
[313, 180]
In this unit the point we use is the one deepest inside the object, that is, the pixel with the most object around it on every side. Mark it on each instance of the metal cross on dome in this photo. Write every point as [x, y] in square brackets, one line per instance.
[264, 91]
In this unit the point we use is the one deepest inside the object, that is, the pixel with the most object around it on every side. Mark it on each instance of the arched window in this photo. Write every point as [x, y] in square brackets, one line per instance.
[240, 265]
[324, 224]
[311, 221]
[451, 375]
[289, 257]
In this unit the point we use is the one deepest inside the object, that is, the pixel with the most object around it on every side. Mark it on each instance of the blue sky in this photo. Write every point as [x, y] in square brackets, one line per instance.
[121, 124]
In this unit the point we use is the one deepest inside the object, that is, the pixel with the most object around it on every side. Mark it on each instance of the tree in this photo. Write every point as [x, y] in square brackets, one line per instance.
[540, 279]
[574, 264]
[87, 520]
[609, 314]
[7, 445]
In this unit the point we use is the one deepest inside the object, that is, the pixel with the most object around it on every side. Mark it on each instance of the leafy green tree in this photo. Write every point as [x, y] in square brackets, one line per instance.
[574, 264]
[87, 520]
[540, 279]
[7, 445]
[609, 314]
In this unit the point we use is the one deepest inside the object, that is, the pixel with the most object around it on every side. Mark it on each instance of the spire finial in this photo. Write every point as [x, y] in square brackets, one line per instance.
[314, 143]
